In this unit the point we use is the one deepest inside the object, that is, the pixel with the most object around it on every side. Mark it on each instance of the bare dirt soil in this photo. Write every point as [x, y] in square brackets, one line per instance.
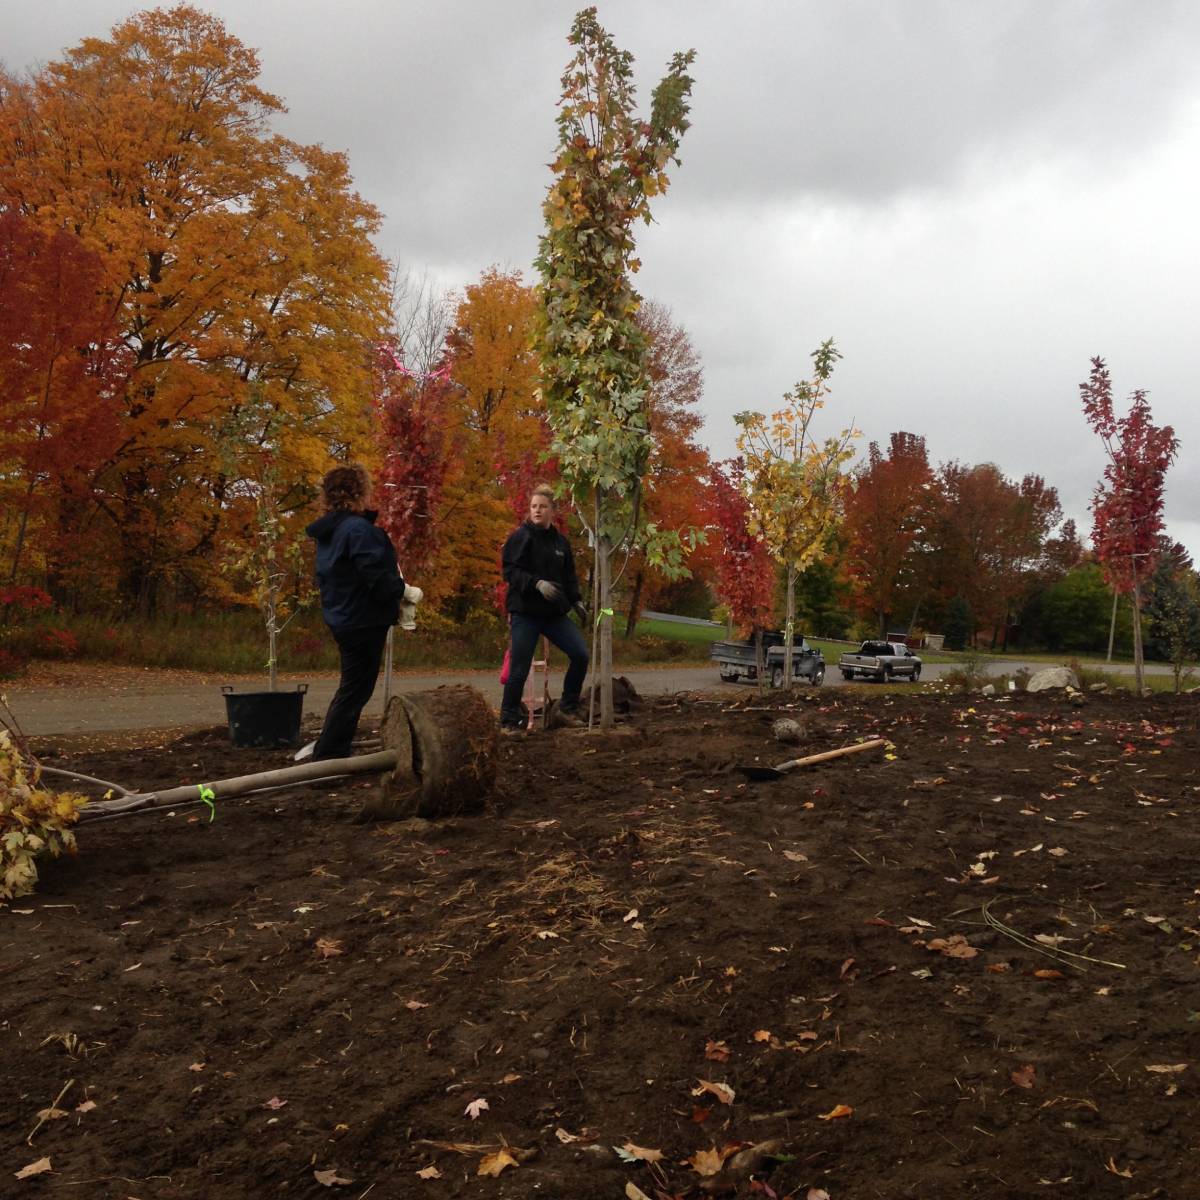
[963, 966]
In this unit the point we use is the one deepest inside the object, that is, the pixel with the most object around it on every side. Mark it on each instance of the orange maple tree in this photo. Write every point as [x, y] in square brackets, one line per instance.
[233, 259]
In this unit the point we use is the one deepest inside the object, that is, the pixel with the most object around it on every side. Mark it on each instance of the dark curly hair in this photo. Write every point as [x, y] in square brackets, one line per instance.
[345, 488]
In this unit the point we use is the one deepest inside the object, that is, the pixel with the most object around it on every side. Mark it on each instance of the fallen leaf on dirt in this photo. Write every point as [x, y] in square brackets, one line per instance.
[511, 1077]
[51, 1114]
[545, 934]
[845, 967]
[197, 1066]
[1104, 991]
[922, 973]
[274, 1103]
[722, 1091]
[762, 1035]
[631, 915]
[836, 1113]
[1025, 1076]
[85, 1107]
[1057, 851]
[35, 1168]
[1167, 1068]
[329, 947]
[919, 922]
[705, 1162]
[331, 1179]
[700, 1115]
[1046, 973]
[716, 1051]
[640, 1153]
[414, 1005]
[475, 1108]
[1113, 1169]
[816, 1194]
[1051, 939]
[795, 856]
[998, 968]
[955, 946]
[429, 1173]
[633, 1192]
[493, 1164]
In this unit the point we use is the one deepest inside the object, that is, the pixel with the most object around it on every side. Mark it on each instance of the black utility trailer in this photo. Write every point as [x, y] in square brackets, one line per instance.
[739, 660]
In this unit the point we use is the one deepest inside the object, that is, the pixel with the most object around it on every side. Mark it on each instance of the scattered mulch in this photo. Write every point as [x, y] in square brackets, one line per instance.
[964, 967]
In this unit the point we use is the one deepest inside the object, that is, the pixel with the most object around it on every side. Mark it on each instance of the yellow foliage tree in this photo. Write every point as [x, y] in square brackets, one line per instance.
[234, 259]
[793, 482]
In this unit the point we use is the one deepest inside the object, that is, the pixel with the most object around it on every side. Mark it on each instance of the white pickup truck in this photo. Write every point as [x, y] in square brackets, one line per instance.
[881, 661]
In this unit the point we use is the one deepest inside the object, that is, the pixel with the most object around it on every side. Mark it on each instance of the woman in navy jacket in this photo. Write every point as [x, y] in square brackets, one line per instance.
[361, 594]
[542, 589]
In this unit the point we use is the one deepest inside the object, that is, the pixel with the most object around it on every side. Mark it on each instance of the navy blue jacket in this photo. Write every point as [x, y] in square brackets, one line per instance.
[361, 585]
[532, 553]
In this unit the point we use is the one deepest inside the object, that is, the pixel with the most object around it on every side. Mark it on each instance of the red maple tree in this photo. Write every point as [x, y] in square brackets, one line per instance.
[1127, 505]
[416, 448]
[745, 571]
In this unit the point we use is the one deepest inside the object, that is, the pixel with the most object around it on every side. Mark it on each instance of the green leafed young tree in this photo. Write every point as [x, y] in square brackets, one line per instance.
[609, 165]
[794, 482]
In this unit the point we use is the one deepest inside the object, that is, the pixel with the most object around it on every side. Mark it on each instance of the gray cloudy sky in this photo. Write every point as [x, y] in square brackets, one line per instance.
[972, 196]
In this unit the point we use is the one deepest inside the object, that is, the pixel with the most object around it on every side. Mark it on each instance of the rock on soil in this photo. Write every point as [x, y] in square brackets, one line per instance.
[901, 968]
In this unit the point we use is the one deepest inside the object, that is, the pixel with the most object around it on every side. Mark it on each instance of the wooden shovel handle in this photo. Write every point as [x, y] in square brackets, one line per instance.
[857, 748]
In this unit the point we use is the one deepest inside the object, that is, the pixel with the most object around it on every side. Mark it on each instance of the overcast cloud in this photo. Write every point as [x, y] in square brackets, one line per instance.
[972, 197]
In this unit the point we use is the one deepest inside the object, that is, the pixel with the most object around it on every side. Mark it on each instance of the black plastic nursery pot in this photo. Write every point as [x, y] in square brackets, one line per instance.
[267, 719]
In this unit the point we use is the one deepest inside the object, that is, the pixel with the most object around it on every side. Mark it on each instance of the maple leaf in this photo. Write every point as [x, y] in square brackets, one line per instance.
[40, 1167]
[475, 1108]
[1023, 1076]
[762, 1035]
[639, 1153]
[836, 1113]
[429, 1173]
[331, 1179]
[274, 1103]
[493, 1164]
[723, 1092]
[716, 1051]
[85, 1107]
[706, 1162]
[329, 947]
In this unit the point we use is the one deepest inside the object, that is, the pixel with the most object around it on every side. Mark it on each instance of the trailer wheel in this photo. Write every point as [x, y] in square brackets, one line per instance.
[916, 674]
[847, 675]
[818, 676]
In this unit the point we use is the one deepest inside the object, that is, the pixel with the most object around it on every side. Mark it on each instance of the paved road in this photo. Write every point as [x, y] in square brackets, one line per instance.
[129, 698]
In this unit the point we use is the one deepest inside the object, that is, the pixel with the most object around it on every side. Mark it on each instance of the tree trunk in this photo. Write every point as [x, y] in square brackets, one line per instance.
[635, 601]
[789, 627]
[604, 569]
[1139, 677]
[760, 661]
[1112, 627]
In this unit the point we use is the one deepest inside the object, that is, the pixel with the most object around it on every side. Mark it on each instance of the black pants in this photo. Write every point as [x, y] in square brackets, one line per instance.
[362, 654]
[525, 632]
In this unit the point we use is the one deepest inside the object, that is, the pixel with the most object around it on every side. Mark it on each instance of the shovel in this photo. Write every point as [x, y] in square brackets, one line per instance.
[755, 772]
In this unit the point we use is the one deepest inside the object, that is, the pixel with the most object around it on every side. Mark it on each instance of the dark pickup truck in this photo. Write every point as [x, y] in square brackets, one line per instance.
[737, 660]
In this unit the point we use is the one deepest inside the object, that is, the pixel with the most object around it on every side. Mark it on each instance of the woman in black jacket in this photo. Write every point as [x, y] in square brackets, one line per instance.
[542, 589]
[362, 591]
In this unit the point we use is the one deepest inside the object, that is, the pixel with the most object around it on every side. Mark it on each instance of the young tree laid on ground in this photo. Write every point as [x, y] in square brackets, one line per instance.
[794, 483]
[609, 165]
[887, 512]
[1127, 506]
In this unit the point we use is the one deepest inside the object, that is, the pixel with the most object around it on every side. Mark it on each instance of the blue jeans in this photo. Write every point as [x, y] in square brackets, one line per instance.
[526, 630]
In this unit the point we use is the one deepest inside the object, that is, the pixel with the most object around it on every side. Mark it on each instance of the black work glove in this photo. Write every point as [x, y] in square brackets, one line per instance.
[549, 591]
